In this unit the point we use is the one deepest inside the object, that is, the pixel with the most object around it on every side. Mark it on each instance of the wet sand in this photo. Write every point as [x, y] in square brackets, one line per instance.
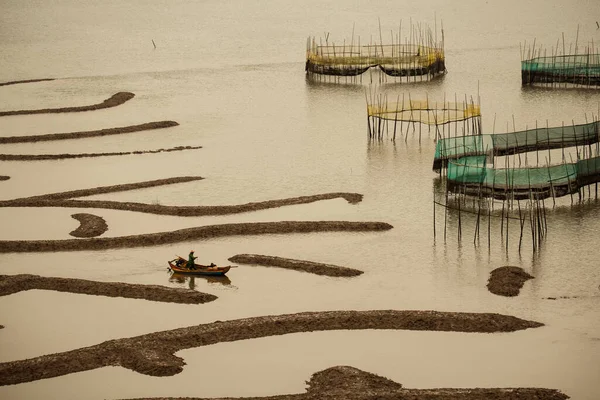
[507, 281]
[189, 234]
[349, 383]
[91, 225]
[154, 354]
[39, 157]
[88, 134]
[115, 100]
[10, 284]
[25, 81]
[297, 265]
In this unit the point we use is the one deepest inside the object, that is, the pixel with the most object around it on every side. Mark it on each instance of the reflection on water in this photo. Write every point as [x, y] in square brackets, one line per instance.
[371, 77]
[176, 277]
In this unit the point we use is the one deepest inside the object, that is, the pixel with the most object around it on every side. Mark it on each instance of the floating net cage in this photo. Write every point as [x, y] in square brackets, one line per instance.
[418, 57]
[394, 116]
[579, 66]
[486, 172]
[500, 144]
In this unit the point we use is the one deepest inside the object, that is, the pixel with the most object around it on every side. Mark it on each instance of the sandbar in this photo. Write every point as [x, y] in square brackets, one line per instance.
[189, 234]
[10, 284]
[115, 100]
[88, 134]
[349, 383]
[154, 353]
[90, 225]
[25, 81]
[297, 265]
[507, 281]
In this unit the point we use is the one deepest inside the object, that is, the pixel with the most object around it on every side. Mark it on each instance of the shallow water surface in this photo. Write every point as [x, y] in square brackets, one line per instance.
[232, 75]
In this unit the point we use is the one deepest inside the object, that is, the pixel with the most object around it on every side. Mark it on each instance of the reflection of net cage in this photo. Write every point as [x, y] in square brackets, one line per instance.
[469, 169]
[418, 58]
[582, 68]
[399, 115]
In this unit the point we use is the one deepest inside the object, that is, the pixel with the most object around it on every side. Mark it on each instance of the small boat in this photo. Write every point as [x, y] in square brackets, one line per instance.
[179, 265]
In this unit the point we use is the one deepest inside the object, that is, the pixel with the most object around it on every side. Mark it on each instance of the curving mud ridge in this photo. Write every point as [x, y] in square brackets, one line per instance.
[65, 199]
[10, 284]
[154, 354]
[88, 134]
[189, 234]
[349, 383]
[39, 201]
[4, 178]
[507, 281]
[25, 81]
[40, 157]
[115, 100]
[90, 225]
[297, 265]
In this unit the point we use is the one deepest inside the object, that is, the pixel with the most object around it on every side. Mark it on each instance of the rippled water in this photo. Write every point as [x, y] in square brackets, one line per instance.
[232, 74]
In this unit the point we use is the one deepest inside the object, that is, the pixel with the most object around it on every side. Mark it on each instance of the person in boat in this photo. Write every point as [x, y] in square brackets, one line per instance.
[191, 258]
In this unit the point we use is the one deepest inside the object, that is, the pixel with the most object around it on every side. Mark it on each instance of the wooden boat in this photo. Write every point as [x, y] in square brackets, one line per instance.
[179, 265]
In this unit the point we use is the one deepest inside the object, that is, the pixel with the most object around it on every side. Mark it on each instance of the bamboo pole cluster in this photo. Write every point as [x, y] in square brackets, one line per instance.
[415, 57]
[400, 116]
[579, 66]
[479, 187]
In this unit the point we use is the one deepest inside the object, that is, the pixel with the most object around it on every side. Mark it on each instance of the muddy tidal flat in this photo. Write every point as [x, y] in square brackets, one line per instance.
[115, 100]
[154, 354]
[297, 265]
[507, 281]
[344, 382]
[90, 225]
[10, 284]
[133, 132]
[196, 233]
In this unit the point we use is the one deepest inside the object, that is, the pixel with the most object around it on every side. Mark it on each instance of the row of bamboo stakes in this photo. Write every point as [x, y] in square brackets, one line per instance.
[412, 56]
[444, 117]
[578, 66]
[529, 213]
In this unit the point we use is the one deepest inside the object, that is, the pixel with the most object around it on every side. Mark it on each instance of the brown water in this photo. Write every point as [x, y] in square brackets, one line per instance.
[232, 74]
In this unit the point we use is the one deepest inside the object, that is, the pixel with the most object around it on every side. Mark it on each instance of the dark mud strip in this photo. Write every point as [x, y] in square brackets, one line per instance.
[189, 234]
[39, 157]
[181, 211]
[10, 284]
[90, 225]
[4, 178]
[297, 265]
[88, 134]
[154, 354]
[349, 383]
[25, 81]
[561, 297]
[115, 100]
[32, 201]
[507, 281]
